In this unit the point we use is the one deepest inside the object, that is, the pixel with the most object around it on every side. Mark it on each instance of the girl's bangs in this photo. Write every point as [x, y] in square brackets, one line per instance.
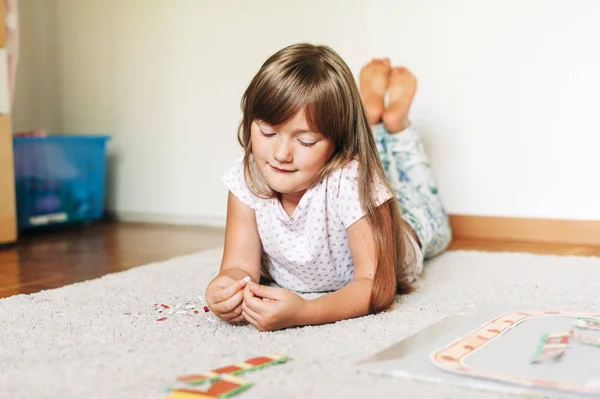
[279, 100]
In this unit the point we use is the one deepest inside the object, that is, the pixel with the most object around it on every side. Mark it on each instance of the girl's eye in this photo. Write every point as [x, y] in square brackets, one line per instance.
[267, 134]
[305, 144]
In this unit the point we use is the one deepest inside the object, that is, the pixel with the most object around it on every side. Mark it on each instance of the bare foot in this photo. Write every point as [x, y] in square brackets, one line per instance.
[373, 84]
[401, 88]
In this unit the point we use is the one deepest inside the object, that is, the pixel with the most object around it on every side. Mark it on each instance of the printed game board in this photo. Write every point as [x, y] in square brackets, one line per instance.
[501, 350]
[523, 351]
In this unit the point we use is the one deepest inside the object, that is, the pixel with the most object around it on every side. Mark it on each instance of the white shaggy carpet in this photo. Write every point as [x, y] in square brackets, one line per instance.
[100, 338]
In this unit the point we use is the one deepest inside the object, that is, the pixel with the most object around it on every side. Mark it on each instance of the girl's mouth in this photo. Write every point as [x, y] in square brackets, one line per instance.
[279, 170]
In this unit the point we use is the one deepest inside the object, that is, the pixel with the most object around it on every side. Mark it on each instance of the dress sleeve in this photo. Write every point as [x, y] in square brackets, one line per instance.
[345, 194]
[234, 180]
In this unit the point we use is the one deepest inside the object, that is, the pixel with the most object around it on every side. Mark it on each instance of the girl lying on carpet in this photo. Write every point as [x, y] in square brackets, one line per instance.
[333, 194]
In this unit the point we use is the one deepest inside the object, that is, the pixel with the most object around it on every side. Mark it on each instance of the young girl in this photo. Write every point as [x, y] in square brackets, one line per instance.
[321, 201]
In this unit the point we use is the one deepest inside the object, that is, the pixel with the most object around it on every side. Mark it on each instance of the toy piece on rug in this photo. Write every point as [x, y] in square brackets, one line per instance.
[223, 386]
[551, 347]
[186, 309]
[246, 366]
[586, 339]
[587, 324]
[221, 382]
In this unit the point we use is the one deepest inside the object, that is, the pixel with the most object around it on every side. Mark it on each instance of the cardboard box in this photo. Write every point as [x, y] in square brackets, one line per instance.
[8, 210]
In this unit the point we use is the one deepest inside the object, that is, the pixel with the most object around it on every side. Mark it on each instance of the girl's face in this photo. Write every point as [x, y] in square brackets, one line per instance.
[290, 155]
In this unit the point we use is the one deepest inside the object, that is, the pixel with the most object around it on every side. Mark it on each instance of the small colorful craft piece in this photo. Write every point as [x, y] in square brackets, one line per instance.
[223, 386]
[586, 339]
[248, 365]
[222, 382]
[587, 324]
[551, 347]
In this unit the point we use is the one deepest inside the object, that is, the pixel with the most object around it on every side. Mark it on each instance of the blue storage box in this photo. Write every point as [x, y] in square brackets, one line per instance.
[59, 179]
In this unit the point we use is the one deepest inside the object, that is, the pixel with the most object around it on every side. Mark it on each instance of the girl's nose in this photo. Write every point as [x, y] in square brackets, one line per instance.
[283, 151]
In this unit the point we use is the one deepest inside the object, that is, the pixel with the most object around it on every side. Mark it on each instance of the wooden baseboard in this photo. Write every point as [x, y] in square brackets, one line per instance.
[464, 227]
[578, 232]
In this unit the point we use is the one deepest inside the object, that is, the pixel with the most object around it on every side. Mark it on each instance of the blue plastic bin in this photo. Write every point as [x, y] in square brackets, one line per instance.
[59, 179]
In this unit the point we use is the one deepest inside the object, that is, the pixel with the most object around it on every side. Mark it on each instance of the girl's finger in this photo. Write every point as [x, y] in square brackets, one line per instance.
[247, 293]
[238, 319]
[230, 304]
[250, 320]
[256, 304]
[263, 291]
[228, 292]
[254, 315]
[233, 314]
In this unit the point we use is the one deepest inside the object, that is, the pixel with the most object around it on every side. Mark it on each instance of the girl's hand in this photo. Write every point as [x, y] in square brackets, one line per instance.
[271, 308]
[224, 297]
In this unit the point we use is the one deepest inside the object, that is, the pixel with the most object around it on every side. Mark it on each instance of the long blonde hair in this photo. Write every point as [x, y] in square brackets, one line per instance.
[316, 79]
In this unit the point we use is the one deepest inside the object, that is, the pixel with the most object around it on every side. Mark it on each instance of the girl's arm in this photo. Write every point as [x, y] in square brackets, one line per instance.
[354, 299]
[242, 252]
[285, 308]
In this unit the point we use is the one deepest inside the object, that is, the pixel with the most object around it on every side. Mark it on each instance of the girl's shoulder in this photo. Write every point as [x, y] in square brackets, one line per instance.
[345, 174]
[234, 179]
[346, 177]
[343, 192]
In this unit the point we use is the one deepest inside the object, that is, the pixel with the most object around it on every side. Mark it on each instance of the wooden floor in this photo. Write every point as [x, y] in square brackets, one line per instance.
[60, 257]
[56, 258]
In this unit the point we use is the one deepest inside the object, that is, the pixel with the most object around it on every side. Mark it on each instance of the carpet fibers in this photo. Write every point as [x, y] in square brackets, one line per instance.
[101, 338]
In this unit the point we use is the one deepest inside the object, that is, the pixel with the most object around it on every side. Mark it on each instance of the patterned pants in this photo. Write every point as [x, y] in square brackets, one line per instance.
[408, 169]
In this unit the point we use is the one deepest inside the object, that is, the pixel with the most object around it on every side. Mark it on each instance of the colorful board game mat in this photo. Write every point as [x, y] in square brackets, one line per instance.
[450, 358]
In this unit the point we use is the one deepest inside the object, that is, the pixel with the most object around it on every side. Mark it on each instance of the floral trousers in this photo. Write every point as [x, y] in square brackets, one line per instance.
[408, 170]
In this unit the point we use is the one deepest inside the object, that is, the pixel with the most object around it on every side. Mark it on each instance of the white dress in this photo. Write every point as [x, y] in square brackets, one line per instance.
[308, 251]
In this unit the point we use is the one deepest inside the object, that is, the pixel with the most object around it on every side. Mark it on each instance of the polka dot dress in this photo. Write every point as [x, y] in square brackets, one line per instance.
[308, 251]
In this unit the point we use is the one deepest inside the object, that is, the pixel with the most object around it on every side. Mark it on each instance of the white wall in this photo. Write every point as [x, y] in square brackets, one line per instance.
[508, 99]
[37, 89]
[165, 79]
[507, 91]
